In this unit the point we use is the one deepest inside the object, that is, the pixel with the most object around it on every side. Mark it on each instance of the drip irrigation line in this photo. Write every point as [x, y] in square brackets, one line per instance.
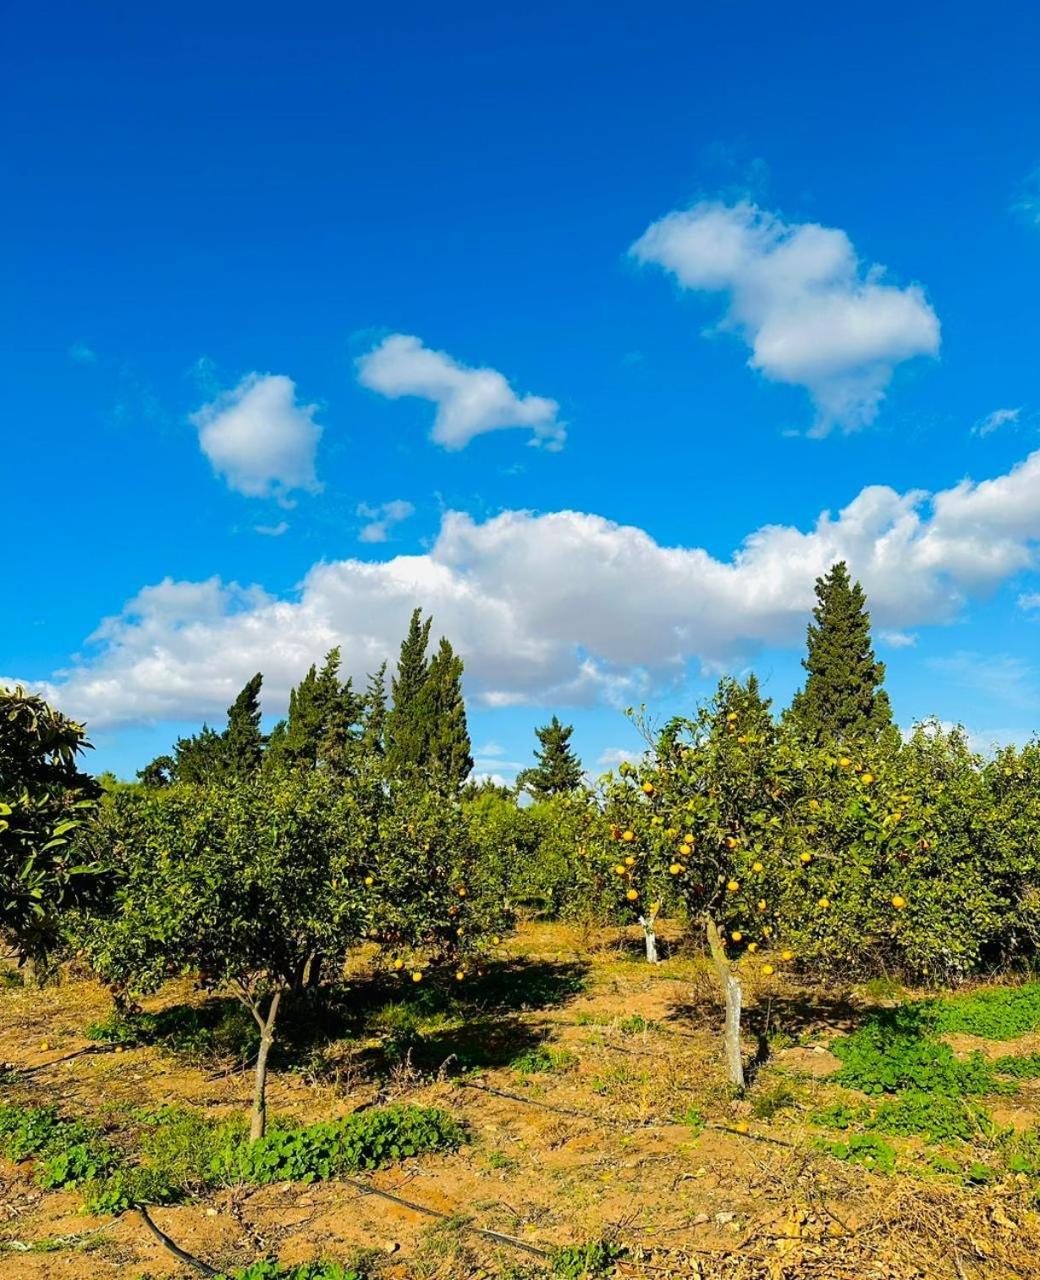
[366, 1189]
[171, 1246]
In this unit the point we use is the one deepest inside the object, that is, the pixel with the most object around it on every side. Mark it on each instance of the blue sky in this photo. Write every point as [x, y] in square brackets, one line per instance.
[269, 270]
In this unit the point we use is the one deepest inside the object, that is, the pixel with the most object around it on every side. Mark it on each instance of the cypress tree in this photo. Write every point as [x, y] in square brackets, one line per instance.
[200, 759]
[243, 741]
[843, 696]
[407, 732]
[373, 713]
[448, 749]
[558, 769]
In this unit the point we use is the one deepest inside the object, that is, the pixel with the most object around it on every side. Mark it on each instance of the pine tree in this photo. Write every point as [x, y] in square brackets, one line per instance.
[443, 717]
[558, 769]
[407, 733]
[843, 696]
[243, 741]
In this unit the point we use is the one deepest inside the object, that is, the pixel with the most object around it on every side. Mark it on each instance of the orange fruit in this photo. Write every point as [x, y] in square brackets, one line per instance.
[675, 868]
[417, 976]
[628, 836]
[768, 970]
[757, 868]
[631, 895]
[733, 885]
[898, 901]
[648, 788]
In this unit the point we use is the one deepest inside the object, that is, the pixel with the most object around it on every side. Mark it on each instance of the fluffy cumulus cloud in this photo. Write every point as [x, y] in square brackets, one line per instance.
[259, 438]
[561, 608]
[382, 519]
[470, 402]
[799, 296]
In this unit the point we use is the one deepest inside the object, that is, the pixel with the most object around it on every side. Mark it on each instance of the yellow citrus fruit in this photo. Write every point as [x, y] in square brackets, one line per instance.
[417, 976]
[628, 836]
[675, 868]
[898, 901]
[495, 940]
[731, 717]
[369, 880]
[866, 779]
[844, 762]
[767, 931]
[824, 902]
[814, 805]
[620, 868]
[731, 842]
[672, 832]
[742, 737]
[648, 788]
[768, 970]
[805, 857]
[630, 862]
[631, 895]
[688, 838]
[786, 956]
[736, 935]
[459, 975]
[752, 947]
[462, 892]
[757, 868]
[733, 885]
[761, 904]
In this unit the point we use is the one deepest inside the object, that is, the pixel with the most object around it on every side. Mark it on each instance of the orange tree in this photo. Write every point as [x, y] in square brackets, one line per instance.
[702, 822]
[247, 884]
[44, 801]
[908, 864]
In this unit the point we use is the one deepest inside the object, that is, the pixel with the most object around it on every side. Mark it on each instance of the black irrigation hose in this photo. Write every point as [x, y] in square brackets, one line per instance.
[364, 1188]
[181, 1254]
[497, 1236]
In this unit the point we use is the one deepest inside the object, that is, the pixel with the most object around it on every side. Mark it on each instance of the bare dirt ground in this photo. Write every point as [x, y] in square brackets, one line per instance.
[596, 1147]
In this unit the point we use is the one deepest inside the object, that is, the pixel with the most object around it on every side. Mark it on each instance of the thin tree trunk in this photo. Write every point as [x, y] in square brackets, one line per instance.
[258, 1121]
[732, 995]
[651, 939]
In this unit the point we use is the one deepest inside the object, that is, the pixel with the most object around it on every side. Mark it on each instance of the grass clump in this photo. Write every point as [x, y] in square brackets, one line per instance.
[892, 1051]
[365, 1140]
[865, 1149]
[994, 1013]
[1024, 1066]
[593, 1259]
[68, 1153]
[543, 1060]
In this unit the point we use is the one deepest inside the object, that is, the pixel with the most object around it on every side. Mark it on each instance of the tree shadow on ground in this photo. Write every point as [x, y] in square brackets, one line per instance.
[476, 1024]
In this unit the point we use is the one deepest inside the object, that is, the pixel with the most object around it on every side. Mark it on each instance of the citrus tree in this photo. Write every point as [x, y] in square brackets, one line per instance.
[45, 798]
[248, 884]
[701, 821]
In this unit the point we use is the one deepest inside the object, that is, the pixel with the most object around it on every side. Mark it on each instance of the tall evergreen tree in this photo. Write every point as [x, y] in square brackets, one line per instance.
[373, 713]
[321, 728]
[843, 696]
[407, 730]
[243, 741]
[448, 750]
[558, 769]
[199, 759]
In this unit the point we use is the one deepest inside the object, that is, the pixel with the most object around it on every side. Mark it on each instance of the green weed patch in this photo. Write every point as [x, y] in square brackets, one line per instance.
[995, 1013]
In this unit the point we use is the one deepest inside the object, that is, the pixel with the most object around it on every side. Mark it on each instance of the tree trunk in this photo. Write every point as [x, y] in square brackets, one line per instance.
[732, 995]
[651, 939]
[258, 1120]
[30, 972]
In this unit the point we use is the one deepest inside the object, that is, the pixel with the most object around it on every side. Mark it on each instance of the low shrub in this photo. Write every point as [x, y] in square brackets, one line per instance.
[995, 1013]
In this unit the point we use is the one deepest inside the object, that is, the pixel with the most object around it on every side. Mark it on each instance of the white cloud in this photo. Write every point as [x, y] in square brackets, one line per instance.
[994, 421]
[381, 519]
[272, 530]
[799, 296]
[897, 639]
[259, 439]
[611, 757]
[561, 609]
[469, 401]
[1029, 600]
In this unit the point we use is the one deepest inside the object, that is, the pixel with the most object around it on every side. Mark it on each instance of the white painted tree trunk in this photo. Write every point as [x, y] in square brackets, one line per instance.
[650, 937]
